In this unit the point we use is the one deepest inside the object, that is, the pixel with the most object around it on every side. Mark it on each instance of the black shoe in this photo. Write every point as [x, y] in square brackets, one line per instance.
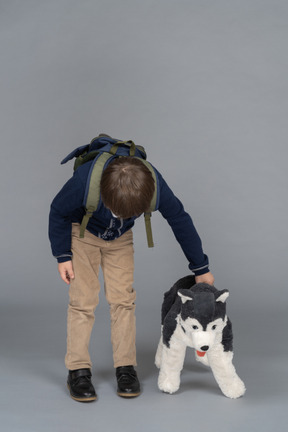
[128, 384]
[80, 385]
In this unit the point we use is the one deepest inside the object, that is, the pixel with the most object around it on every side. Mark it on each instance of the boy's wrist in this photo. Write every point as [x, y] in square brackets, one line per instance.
[207, 278]
[201, 271]
[61, 259]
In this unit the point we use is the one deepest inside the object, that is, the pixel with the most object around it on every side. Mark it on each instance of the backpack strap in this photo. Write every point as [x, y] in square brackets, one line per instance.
[153, 206]
[93, 195]
[149, 235]
[130, 144]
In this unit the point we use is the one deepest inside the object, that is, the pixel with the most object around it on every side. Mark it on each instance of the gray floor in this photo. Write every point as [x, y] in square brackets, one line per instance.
[34, 395]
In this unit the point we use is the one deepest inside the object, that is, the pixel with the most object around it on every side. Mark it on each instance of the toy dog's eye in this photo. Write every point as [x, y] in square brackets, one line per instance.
[214, 327]
[195, 327]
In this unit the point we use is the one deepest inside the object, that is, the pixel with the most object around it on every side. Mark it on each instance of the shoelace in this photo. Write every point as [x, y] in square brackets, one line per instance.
[82, 380]
[126, 377]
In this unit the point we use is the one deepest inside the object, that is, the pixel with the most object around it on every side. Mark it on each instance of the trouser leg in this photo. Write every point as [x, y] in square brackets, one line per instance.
[84, 297]
[118, 271]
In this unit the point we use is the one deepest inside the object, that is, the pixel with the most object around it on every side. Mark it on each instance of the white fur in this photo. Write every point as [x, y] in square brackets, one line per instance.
[224, 372]
[170, 360]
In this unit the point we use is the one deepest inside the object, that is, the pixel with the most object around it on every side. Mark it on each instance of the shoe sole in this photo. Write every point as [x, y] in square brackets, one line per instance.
[128, 395]
[90, 399]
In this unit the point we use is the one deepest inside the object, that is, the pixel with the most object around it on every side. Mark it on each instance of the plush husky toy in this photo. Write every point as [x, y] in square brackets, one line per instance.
[194, 315]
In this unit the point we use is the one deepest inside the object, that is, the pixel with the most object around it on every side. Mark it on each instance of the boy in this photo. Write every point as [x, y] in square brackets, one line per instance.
[126, 190]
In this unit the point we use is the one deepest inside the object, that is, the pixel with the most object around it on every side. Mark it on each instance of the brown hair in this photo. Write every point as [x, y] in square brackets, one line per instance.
[127, 187]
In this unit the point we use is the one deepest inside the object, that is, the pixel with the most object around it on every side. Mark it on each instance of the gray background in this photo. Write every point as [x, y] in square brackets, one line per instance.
[203, 86]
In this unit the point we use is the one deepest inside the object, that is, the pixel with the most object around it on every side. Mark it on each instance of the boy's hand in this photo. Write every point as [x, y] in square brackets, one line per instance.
[66, 271]
[205, 278]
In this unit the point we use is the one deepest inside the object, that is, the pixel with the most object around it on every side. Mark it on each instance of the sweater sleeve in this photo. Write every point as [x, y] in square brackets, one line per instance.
[183, 228]
[66, 202]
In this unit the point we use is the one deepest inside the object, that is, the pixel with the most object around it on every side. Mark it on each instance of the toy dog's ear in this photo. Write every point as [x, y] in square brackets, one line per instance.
[222, 296]
[185, 295]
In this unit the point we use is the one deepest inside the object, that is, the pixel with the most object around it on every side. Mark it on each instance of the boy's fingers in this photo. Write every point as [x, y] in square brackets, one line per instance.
[70, 275]
[66, 272]
[65, 277]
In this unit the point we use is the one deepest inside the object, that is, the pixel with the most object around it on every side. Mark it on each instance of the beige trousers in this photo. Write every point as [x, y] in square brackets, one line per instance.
[116, 259]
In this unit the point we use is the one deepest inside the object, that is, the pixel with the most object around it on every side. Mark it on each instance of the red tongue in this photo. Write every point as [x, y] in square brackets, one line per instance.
[200, 353]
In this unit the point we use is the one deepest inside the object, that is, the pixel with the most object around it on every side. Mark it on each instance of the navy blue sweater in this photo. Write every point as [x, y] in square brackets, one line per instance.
[67, 208]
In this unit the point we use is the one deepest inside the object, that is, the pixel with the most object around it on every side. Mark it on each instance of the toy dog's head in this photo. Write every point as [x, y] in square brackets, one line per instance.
[202, 315]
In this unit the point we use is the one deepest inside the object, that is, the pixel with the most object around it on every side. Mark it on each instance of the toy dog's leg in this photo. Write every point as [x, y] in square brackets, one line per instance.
[171, 367]
[158, 356]
[224, 372]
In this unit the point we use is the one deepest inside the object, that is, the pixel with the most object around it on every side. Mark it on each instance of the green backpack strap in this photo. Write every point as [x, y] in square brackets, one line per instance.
[93, 196]
[148, 214]
[130, 144]
[147, 217]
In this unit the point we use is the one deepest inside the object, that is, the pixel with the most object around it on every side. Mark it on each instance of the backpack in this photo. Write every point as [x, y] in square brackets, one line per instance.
[102, 150]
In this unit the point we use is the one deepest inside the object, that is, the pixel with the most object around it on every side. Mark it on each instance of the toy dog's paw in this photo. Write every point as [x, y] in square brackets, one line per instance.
[235, 389]
[168, 385]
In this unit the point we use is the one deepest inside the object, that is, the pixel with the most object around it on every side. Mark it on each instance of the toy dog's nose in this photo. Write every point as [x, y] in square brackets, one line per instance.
[204, 348]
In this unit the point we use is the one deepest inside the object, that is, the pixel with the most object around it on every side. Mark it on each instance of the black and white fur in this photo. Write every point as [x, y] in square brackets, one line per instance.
[194, 315]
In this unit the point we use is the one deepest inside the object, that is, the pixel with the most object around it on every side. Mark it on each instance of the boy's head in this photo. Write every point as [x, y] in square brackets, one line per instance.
[127, 187]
